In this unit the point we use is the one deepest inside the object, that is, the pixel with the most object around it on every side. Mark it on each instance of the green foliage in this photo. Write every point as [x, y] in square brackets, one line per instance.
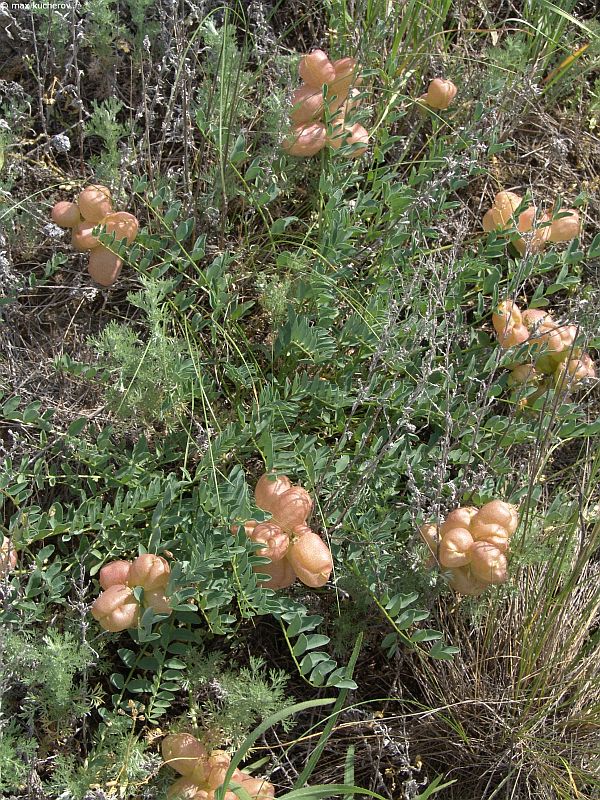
[103, 124]
[226, 702]
[327, 318]
[102, 28]
[150, 380]
[51, 671]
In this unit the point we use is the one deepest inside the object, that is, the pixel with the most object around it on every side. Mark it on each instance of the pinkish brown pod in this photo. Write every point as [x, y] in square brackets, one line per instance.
[65, 214]
[281, 574]
[497, 512]
[123, 224]
[183, 752]
[440, 94]
[454, 549]
[306, 140]
[350, 135]
[104, 266]
[464, 582]
[506, 316]
[507, 203]
[291, 508]
[258, 788]
[157, 601]
[346, 76]
[186, 789]
[150, 572]
[115, 572]
[8, 556]
[315, 69]
[533, 317]
[523, 375]
[211, 773]
[274, 541]
[307, 106]
[82, 238]
[268, 488]
[116, 609]
[488, 563]
[459, 518]
[573, 372]
[310, 559]
[94, 203]
[565, 227]
[515, 336]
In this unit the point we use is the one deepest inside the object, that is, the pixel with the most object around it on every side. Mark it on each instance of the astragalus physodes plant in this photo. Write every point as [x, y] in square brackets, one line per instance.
[329, 92]
[93, 209]
[294, 550]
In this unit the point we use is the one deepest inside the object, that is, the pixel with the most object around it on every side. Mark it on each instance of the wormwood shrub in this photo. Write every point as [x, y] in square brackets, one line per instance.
[103, 123]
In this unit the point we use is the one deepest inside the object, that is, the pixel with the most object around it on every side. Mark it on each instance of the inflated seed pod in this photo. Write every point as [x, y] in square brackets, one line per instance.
[291, 508]
[533, 317]
[115, 572]
[82, 238]
[575, 370]
[281, 574]
[514, 336]
[566, 227]
[116, 609]
[535, 239]
[506, 316]
[186, 789]
[123, 224]
[523, 375]
[357, 135]
[346, 76]
[311, 560]
[94, 203]
[431, 535]
[497, 512]
[182, 752]
[157, 601]
[274, 541]
[459, 518]
[150, 572]
[351, 104]
[464, 582]
[269, 486]
[258, 788]
[315, 69]
[8, 556]
[440, 93]
[454, 549]
[492, 220]
[104, 266]
[507, 204]
[306, 140]
[488, 563]
[65, 214]
[210, 773]
[307, 106]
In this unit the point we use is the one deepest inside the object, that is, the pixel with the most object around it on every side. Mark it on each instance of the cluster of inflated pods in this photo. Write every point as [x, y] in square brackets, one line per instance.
[294, 549]
[117, 607]
[311, 109]
[552, 358]
[473, 544]
[529, 230]
[203, 771]
[93, 208]
[309, 132]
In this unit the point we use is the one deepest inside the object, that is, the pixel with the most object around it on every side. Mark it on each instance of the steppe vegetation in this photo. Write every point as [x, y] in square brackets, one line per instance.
[299, 423]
